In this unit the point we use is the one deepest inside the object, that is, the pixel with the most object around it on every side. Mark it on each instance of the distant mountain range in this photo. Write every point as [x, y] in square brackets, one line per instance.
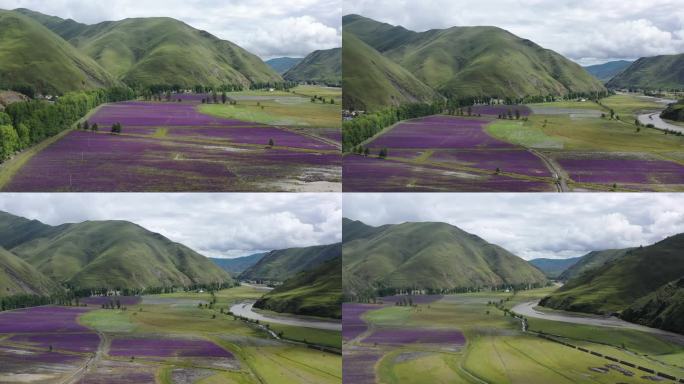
[607, 71]
[652, 73]
[313, 292]
[644, 284]
[99, 254]
[552, 268]
[459, 61]
[237, 265]
[322, 67]
[427, 256]
[283, 64]
[283, 264]
[57, 55]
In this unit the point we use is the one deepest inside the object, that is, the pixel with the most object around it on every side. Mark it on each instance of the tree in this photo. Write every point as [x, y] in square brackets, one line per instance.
[383, 153]
[223, 97]
[94, 127]
[366, 151]
[517, 114]
[85, 125]
[271, 142]
[9, 141]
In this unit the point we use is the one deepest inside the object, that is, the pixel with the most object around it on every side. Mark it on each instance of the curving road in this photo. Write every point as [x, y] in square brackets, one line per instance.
[528, 310]
[244, 309]
[658, 123]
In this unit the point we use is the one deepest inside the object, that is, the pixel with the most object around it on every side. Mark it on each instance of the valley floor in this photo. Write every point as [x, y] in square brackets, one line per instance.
[170, 338]
[560, 146]
[387, 344]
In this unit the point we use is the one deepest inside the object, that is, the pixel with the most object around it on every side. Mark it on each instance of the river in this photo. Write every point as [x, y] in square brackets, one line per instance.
[245, 309]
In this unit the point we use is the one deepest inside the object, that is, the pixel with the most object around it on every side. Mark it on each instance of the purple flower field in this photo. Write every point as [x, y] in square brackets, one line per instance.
[359, 367]
[370, 174]
[499, 109]
[62, 319]
[123, 300]
[86, 161]
[166, 347]
[149, 114]
[9, 357]
[400, 336]
[439, 132]
[252, 135]
[415, 299]
[352, 323]
[73, 342]
[514, 161]
[622, 171]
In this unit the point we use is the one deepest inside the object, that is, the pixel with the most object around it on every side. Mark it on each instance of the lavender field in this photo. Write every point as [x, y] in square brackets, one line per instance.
[170, 146]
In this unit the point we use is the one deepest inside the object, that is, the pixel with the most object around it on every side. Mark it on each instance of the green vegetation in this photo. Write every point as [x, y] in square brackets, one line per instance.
[158, 50]
[312, 336]
[372, 81]
[293, 110]
[592, 260]
[313, 292]
[437, 257]
[627, 106]
[283, 264]
[553, 268]
[674, 112]
[607, 71]
[665, 72]
[109, 320]
[472, 61]
[663, 308]
[617, 284]
[35, 59]
[322, 67]
[18, 277]
[108, 254]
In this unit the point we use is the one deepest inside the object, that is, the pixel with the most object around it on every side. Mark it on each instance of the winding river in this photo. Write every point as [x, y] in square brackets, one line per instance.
[654, 117]
[245, 309]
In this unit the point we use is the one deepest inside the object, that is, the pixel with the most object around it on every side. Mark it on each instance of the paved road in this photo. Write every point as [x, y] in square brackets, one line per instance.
[528, 310]
[244, 309]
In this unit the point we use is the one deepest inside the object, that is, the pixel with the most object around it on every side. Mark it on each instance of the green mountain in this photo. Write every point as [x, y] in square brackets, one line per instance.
[107, 254]
[283, 64]
[674, 111]
[663, 308]
[433, 256]
[160, 50]
[280, 265]
[356, 229]
[607, 71]
[658, 72]
[314, 292]
[617, 284]
[239, 264]
[552, 268]
[371, 81]
[30, 54]
[19, 277]
[475, 61]
[591, 261]
[324, 66]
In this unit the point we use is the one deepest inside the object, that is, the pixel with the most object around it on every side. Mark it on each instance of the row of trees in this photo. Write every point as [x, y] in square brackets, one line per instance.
[29, 122]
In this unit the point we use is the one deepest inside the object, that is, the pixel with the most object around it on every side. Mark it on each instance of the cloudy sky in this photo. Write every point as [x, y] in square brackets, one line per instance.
[216, 225]
[587, 31]
[268, 28]
[534, 225]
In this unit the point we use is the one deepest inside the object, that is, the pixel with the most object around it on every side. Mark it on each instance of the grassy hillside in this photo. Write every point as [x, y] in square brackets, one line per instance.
[430, 256]
[607, 71]
[324, 66]
[30, 54]
[19, 277]
[658, 72]
[663, 308]
[372, 81]
[316, 292]
[160, 50]
[674, 111]
[475, 61]
[355, 229]
[616, 285]
[283, 64]
[552, 268]
[283, 264]
[107, 254]
[591, 261]
[239, 264]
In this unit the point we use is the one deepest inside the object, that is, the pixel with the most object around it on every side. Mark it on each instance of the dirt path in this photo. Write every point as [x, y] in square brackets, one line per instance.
[558, 173]
[92, 361]
[528, 310]
[244, 309]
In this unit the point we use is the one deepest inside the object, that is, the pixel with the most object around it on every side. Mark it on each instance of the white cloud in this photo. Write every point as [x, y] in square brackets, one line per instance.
[219, 225]
[534, 225]
[268, 28]
[587, 31]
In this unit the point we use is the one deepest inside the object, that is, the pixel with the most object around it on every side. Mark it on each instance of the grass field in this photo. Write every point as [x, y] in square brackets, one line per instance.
[497, 351]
